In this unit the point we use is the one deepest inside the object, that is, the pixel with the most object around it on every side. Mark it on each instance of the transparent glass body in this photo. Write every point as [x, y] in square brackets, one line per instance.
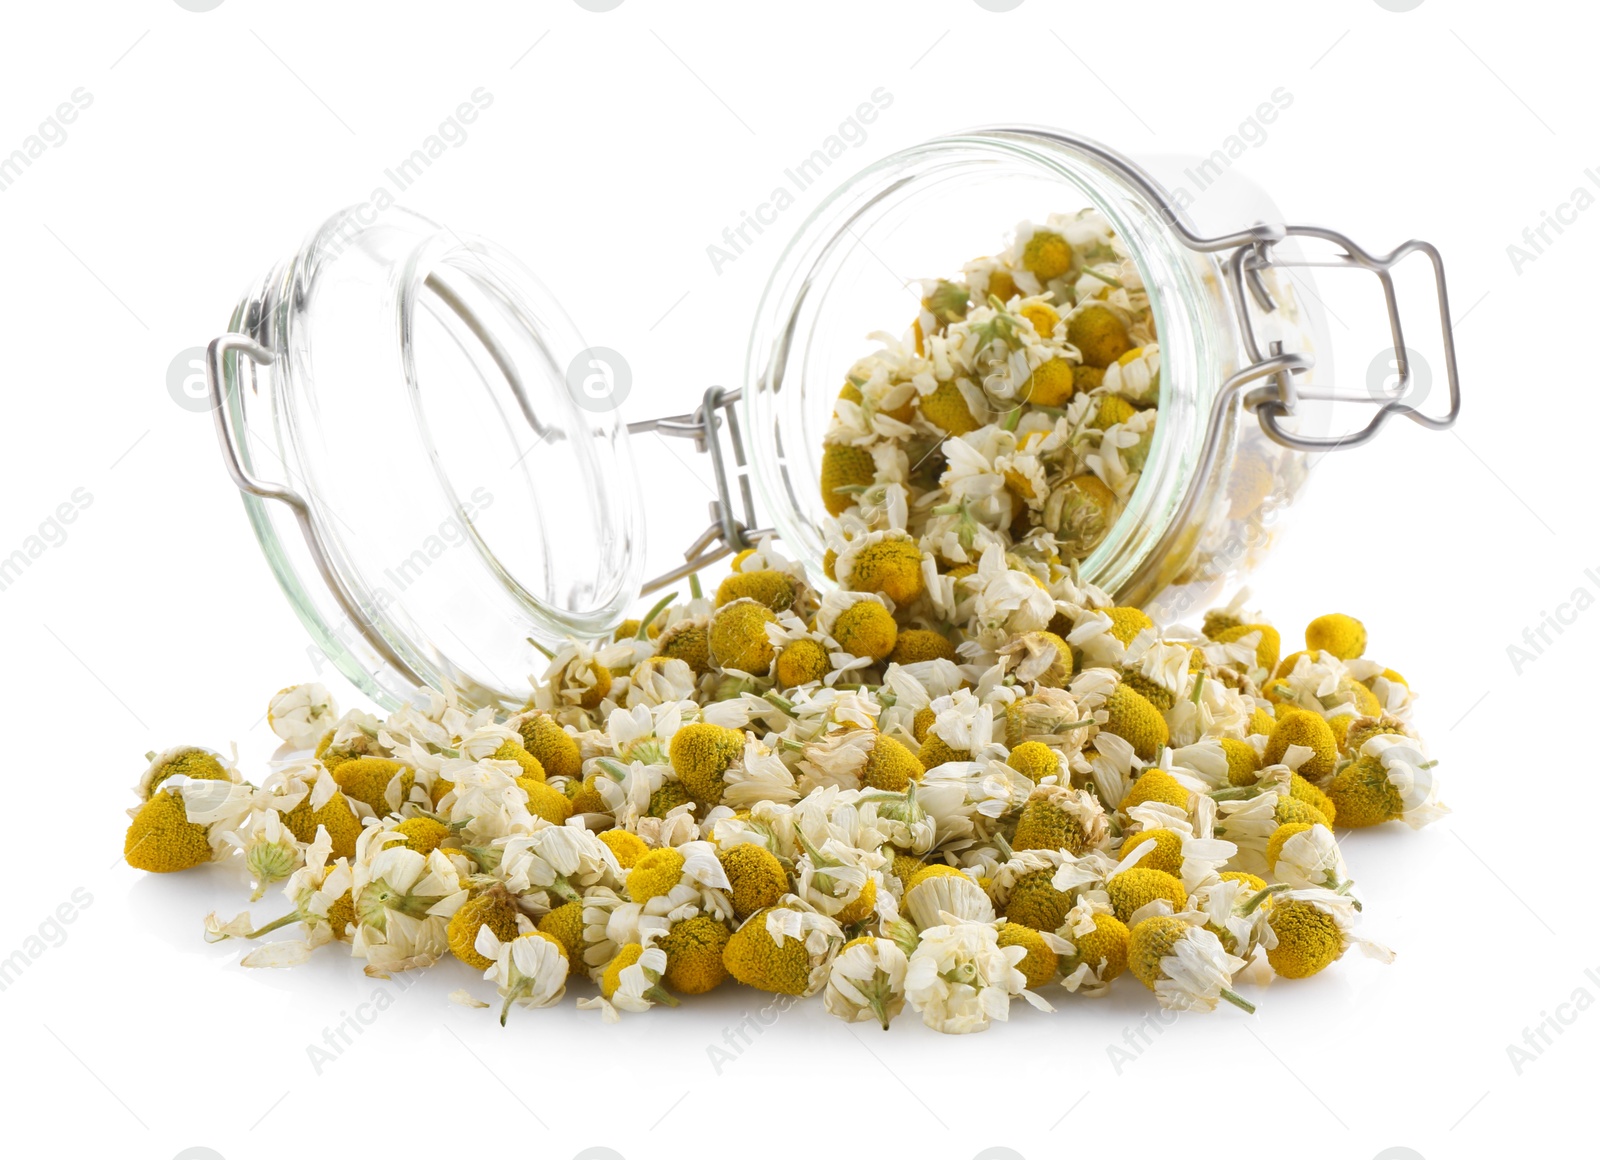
[854, 267]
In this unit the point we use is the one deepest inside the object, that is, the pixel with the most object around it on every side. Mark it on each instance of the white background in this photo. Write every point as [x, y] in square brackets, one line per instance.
[617, 147]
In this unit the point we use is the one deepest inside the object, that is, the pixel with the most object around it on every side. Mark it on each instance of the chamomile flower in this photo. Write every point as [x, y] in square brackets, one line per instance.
[1313, 928]
[301, 714]
[867, 981]
[960, 979]
[529, 970]
[1057, 818]
[403, 902]
[1184, 964]
[1306, 855]
[785, 949]
[319, 894]
[1390, 780]
[1099, 948]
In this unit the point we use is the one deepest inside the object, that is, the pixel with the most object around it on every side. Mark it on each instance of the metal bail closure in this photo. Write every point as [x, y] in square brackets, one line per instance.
[727, 533]
[1271, 403]
[1253, 251]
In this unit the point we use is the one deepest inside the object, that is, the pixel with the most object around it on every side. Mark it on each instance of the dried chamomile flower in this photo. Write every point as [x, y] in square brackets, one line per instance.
[1098, 953]
[549, 744]
[493, 907]
[867, 981]
[1313, 928]
[960, 979]
[322, 903]
[1303, 729]
[161, 837]
[783, 949]
[1306, 854]
[1344, 636]
[916, 645]
[1184, 964]
[301, 714]
[694, 949]
[1155, 785]
[271, 854]
[188, 761]
[1040, 659]
[852, 758]
[625, 846]
[846, 471]
[701, 754]
[403, 903]
[1129, 715]
[1024, 893]
[374, 782]
[1042, 961]
[1049, 716]
[324, 805]
[939, 889]
[738, 637]
[529, 970]
[1390, 780]
[889, 563]
[766, 586]
[1057, 818]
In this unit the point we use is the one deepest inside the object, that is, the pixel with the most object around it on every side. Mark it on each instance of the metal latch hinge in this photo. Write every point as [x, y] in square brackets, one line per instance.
[727, 533]
[1271, 403]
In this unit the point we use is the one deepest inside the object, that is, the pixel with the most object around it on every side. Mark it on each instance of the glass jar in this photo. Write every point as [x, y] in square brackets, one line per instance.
[413, 400]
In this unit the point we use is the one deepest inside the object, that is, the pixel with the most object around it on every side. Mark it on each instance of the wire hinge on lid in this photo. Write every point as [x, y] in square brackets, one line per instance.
[726, 533]
[1271, 403]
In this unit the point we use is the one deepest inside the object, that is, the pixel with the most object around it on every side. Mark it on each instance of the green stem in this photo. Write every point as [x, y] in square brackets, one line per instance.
[695, 591]
[655, 610]
[1261, 896]
[1239, 1001]
[550, 656]
[292, 916]
[511, 997]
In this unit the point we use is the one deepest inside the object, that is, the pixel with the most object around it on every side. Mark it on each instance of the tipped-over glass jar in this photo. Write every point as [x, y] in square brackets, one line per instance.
[414, 423]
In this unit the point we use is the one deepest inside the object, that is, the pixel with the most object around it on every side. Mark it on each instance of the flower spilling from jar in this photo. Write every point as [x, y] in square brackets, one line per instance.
[1018, 411]
[915, 793]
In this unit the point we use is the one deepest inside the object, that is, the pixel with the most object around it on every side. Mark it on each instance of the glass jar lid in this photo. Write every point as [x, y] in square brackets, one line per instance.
[454, 480]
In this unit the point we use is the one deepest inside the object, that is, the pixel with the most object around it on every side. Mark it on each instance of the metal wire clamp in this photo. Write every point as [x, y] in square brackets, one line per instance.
[727, 533]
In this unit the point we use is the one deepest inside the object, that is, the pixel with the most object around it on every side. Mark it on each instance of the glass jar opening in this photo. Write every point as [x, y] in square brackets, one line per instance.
[925, 213]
